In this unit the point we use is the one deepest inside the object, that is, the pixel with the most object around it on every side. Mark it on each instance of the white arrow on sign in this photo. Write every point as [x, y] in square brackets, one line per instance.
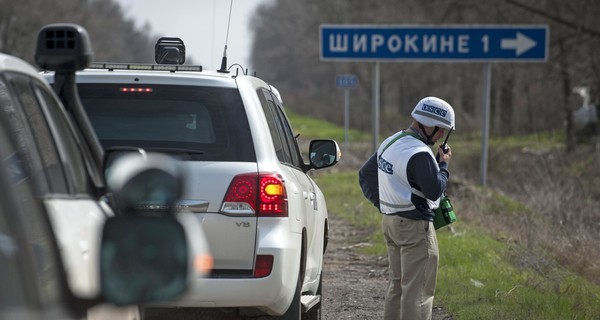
[522, 43]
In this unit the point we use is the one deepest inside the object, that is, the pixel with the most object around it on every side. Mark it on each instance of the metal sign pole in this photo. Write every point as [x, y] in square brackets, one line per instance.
[376, 106]
[346, 117]
[347, 82]
[486, 122]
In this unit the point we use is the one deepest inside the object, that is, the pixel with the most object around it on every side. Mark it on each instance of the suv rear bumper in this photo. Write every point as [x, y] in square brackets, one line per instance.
[272, 294]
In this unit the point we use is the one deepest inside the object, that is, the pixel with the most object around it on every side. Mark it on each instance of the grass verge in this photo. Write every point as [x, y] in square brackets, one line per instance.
[480, 277]
[312, 128]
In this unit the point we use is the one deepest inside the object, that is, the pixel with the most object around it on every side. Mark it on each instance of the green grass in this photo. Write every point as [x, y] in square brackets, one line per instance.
[343, 195]
[344, 198]
[311, 128]
[484, 278]
[503, 205]
[539, 141]
[479, 276]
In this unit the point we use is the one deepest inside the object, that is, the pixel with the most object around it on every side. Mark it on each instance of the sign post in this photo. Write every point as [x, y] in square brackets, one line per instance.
[435, 43]
[346, 81]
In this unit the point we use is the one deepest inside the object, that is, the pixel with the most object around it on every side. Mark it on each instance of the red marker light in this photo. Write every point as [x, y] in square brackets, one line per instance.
[132, 89]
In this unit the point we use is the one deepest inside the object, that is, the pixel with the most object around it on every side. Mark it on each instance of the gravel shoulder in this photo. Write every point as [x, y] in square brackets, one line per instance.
[354, 283]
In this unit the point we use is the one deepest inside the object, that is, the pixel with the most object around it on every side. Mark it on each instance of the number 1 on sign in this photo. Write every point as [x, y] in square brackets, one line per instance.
[486, 43]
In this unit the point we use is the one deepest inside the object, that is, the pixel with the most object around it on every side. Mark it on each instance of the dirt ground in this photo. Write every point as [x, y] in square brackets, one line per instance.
[353, 283]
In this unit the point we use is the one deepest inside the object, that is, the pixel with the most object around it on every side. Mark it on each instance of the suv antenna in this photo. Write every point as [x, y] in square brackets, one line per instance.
[223, 68]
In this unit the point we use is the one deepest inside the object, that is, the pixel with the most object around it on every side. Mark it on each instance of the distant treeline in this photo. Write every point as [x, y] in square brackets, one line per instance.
[525, 97]
[114, 37]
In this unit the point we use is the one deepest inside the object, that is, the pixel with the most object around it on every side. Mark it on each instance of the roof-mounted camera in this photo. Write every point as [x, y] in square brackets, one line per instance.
[169, 50]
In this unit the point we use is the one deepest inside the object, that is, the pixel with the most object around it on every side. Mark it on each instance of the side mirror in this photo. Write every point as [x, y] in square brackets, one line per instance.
[143, 259]
[141, 182]
[63, 47]
[324, 153]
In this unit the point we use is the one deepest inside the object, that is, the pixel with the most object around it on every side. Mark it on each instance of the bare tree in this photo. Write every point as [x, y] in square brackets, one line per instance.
[114, 37]
[526, 97]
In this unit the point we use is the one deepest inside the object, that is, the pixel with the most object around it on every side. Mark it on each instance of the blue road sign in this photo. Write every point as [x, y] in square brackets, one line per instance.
[454, 43]
[346, 81]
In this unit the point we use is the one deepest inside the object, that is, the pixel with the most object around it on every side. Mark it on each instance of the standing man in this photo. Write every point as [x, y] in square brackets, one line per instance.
[404, 181]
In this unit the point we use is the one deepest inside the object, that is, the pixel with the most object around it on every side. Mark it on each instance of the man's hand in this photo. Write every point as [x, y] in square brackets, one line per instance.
[445, 157]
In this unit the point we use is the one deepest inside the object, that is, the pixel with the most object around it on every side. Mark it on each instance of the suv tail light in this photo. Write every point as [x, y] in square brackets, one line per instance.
[263, 266]
[263, 194]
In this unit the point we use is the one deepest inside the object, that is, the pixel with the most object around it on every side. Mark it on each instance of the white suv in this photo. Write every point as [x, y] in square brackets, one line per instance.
[264, 217]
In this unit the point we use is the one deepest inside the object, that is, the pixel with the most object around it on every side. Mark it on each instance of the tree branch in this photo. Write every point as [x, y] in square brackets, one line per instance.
[554, 18]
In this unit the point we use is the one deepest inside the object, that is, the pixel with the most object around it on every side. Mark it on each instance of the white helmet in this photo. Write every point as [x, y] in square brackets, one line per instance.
[434, 112]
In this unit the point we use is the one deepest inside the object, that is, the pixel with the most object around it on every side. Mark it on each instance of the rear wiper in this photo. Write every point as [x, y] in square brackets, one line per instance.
[174, 150]
[156, 149]
[124, 148]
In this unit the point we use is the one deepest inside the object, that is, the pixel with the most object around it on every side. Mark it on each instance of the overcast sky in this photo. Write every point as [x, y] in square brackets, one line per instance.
[201, 24]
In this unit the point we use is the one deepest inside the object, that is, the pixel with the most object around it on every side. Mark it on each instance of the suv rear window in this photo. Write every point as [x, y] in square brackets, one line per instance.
[204, 123]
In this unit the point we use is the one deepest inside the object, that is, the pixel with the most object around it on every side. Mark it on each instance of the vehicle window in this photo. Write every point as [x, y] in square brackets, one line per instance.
[281, 131]
[19, 128]
[205, 123]
[268, 108]
[11, 287]
[73, 162]
[26, 240]
[289, 136]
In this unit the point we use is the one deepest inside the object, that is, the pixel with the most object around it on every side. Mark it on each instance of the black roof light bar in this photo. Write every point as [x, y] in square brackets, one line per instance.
[137, 66]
